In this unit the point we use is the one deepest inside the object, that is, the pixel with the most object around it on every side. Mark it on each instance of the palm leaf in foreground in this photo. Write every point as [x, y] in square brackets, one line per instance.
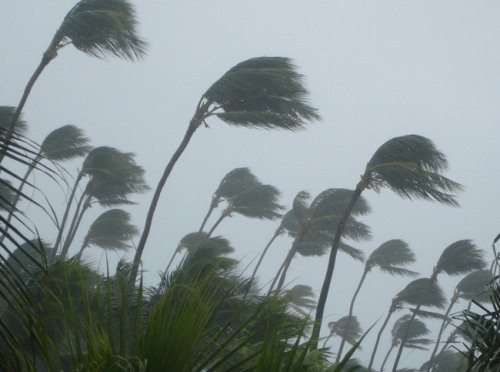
[411, 166]
[264, 92]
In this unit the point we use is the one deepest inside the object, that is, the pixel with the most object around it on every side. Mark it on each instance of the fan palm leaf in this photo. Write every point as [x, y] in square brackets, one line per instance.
[279, 104]
[410, 166]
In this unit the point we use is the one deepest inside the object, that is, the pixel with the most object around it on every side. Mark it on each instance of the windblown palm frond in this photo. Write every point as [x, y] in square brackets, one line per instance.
[349, 324]
[263, 92]
[259, 201]
[390, 256]
[474, 286]
[417, 329]
[300, 297]
[6, 115]
[65, 143]
[459, 258]
[414, 292]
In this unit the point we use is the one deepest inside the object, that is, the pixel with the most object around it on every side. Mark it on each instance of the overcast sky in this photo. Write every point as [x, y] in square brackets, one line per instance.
[375, 70]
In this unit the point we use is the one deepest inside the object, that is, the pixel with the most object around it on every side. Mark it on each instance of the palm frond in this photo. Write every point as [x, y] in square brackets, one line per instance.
[414, 292]
[410, 166]
[65, 143]
[263, 92]
[474, 286]
[355, 253]
[102, 28]
[347, 327]
[235, 182]
[394, 252]
[6, 114]
[259, 201]
[394, 270]
[460, 257]
[413, 330]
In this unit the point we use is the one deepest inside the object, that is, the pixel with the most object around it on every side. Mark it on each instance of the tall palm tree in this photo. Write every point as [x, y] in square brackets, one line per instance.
[263, 92]
[64, 143]
[315, 224]
[347, 328]
[412, 294]
[112, 230]
[390, 257]
[471, 287]
[259, 201]
[416, 330]
[230, 186]
[98, 28]
[411, 166]
[460, 257]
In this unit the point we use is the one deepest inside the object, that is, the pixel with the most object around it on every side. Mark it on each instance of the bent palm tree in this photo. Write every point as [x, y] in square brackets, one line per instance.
[415, 330]
[264, 92]
[471, 287]
[412, 294]
[347, 328]
[99, 28]
[458, 258]
[410, 166]
[389, 257]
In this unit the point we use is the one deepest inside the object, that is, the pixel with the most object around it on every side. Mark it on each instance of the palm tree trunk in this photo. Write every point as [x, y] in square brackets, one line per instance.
[170, 262]
[320, 309]
[351, 310]
[217, 223]
[386, 357]
[403, 340]
[66, 213]
[77, 219]
[193, 125]
[438, 357]
[372, 358]
[277, 233]
[441, 330]
[210, 210]
[48, 56]
[291, 254]
[276, 278]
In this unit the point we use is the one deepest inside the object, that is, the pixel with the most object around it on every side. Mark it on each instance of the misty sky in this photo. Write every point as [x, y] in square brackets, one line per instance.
[375, 70]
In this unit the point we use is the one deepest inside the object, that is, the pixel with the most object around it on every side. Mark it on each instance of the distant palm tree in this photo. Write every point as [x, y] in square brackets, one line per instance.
[458, 258]
[300, 299]
[410, 166]
[112, 230]
[471, 287]
[412, 294]
[347, 328]
[230, 186]
[415, 330]
[390, 257]
[315, 225]
[264, 92]
[64, 143]
[99, 28]
[259, 201]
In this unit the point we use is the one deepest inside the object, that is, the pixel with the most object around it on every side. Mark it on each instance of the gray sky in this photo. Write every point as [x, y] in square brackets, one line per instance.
[375, 70]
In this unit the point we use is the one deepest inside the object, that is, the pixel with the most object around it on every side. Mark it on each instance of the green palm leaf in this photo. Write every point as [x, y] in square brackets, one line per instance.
[259, 201]
[347, 327]
[414, 292]
[460, 257]
[416, 329]
[65, 143]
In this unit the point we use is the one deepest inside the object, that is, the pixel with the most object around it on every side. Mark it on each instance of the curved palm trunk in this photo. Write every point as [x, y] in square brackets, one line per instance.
[372, 358]
[171, 260]
[351, 310]
[320, 309]
[48, 56]
[386, 357]
[277, 233]
[66, 213]
[438, 357]
[441, 330]
[210, 210]
[291, 254]
[217, 223]
[77, 219]
[193, 125]
[405, 336]
[276, 278]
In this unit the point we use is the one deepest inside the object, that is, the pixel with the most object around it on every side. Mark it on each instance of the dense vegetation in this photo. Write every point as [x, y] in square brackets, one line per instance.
[58, 312]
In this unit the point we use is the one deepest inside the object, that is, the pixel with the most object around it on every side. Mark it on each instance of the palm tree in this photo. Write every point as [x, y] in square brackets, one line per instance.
[410, 166]
[416, 330]
[390, 257]
[230, 186]
[471, 287]
[460, 257]
[113, 176]
[314, 225]
[98, 28]
[300, 299]
[347, 328]
[263, 92]
[412, 294]
[112, 230]
[64, 143]
[258, 201]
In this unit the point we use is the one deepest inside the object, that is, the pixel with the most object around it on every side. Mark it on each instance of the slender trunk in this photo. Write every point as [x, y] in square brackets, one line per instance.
[291, 254]
[276, 278]
[85, 244]
[320, 309]
[405, 336]
[48, 56]
[74, 226]
[386, 357]
[66, 213]
[171, 260]
[438, 357]
[18, 196]
[210, 210]
[277, 233]
[193, 125]
[217, 223]
[441, 330]
[372, 358]
[351, 310]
